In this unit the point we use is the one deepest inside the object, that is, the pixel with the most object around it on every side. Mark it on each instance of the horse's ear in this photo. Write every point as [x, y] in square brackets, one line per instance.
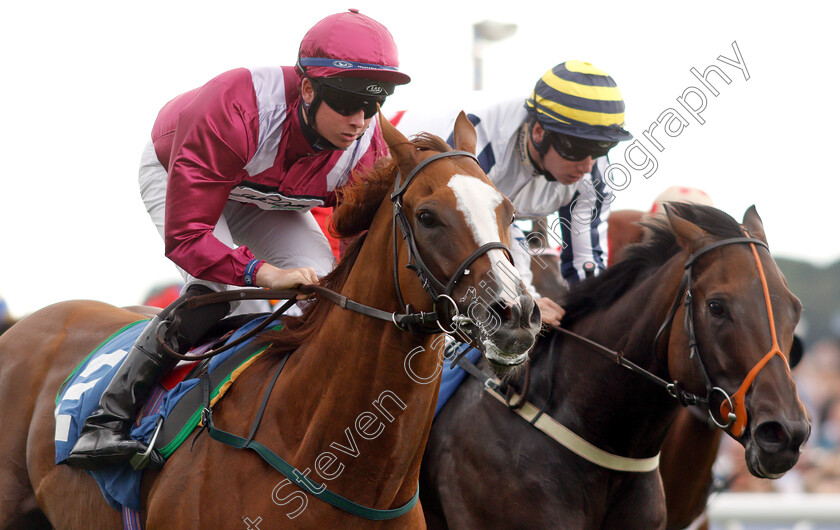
[753, 224]
[464, 134]
[688, 234]
[401, 148]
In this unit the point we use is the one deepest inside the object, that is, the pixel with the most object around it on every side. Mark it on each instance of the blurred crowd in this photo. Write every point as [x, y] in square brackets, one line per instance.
[818, 470]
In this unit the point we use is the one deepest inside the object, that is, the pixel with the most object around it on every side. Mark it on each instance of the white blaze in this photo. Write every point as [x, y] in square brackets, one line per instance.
[478, 201]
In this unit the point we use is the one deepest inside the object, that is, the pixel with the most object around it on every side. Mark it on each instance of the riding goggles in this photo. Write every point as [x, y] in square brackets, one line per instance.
[348, 103]
[576, 149]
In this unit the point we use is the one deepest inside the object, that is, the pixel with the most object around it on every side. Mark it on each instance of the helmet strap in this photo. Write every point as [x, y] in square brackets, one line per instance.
[306, 116]
[541, 148]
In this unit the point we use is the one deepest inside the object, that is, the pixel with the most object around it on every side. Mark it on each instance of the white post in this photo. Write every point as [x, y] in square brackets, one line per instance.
[484, 33]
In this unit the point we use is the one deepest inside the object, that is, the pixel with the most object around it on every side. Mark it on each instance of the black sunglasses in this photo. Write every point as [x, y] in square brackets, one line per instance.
[348, 103]
[576, 149]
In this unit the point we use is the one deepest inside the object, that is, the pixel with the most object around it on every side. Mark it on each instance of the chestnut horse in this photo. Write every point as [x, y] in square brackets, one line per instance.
[353, 406]
[700, 304]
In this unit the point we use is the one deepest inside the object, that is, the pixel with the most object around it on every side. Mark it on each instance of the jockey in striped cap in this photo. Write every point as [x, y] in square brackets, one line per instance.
[547, 154]
[581, 110]
[549, 157]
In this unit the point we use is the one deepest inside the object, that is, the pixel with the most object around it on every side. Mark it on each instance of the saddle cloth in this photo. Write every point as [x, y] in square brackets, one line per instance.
[452, 376]
[181, 402]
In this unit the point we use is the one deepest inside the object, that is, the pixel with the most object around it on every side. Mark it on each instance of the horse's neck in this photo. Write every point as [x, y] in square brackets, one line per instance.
[374, 347]
[607, 404]
[354, 394]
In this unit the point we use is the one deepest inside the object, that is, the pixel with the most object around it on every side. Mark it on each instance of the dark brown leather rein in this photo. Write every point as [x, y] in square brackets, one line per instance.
[445, 318]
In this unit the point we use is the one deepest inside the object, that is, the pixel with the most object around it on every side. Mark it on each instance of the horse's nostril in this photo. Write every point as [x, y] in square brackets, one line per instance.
[534, 315]
[772, 437]
[522, 312]
[480, 312]
[506, 312]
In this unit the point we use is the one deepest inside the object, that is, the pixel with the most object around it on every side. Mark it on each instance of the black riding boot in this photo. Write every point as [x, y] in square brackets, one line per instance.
[104, 439]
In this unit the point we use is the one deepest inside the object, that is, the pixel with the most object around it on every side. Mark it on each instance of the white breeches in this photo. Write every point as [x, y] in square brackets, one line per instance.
[285, 239]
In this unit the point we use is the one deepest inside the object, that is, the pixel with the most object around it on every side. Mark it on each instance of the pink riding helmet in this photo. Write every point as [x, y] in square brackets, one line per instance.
[350, 45]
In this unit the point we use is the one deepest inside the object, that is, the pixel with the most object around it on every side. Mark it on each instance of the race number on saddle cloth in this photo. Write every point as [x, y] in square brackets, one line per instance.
[178, 401]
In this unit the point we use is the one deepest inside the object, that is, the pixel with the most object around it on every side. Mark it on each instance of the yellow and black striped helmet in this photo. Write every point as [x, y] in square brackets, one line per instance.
[578, 99]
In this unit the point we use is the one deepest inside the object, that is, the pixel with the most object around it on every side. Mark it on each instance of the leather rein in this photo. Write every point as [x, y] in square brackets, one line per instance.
[422, 322]
[444, 318]
[732, 407]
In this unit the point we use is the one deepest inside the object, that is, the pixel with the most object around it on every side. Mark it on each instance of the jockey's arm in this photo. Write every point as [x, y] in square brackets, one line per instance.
[272, 277]
[584, 233]
[201, 180]
[550, 311]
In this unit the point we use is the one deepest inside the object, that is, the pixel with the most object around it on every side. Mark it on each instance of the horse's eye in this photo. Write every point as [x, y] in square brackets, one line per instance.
[716, 308]
[426, 219]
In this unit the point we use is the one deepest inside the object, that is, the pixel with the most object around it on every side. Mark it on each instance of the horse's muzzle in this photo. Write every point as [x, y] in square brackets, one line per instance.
[522, 312]
[774, 447]
[519, 322]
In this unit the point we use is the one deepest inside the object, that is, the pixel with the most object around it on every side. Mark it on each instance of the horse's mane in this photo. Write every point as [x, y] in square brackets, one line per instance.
[358, 203]
[641, 259]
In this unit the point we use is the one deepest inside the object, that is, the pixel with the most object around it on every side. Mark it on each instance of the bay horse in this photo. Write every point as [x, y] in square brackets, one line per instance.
[691, 445]
[353, 406]
[739, 316]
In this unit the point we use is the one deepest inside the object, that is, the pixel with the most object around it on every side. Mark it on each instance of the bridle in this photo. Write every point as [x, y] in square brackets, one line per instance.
[447, 322]
[414, 322]
[440, 320]
[733, 407]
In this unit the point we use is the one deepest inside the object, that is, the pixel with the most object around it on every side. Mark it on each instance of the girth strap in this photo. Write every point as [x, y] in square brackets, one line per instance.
[289, 471]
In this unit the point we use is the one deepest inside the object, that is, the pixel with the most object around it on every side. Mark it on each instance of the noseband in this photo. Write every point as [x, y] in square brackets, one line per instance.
[733, 407]
[437, 290]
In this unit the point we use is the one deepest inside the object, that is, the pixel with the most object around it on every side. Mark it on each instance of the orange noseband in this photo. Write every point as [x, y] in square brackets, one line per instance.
[739, 397]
